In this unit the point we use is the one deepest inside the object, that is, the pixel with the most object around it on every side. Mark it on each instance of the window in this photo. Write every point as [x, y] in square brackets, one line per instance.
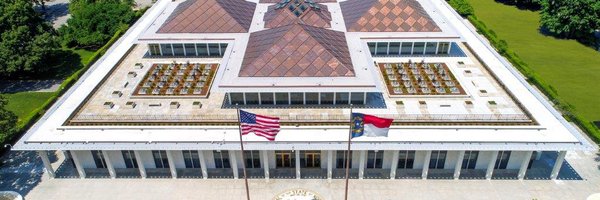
[252, 159]
[285, 159]
[202, 49]
[312, 98]
[382, 48]
[191, 159]
[502, 160]
[443, 48]
[252, 98]
[223, 48]
[437, 160]
[394, 48]
[406, 159]
[372, 48]
[178, 49]
[129, 158]
[213, 50]
[357, 98]
[470, 159]
[419, 48]
[221, 159]
[99, 159]
[237, 98]
[374, 159]
[282, 98]
[531, 159]
[341, 159]
[166, 49]
[190, 50]
[341, 98]
[266, 98]
[326, 98]
[154, 49]
[297, 98]
[160, 159]
[310, 159]
[431, 48]
[406, 48]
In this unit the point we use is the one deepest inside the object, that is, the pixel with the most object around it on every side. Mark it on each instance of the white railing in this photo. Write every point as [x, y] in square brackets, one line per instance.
[324, 117]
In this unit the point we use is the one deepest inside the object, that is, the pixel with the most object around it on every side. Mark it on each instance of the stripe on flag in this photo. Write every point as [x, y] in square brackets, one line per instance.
[260, 125]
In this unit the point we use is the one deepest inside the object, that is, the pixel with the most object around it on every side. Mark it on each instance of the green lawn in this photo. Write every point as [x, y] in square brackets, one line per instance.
[25, 103]
[571, 68]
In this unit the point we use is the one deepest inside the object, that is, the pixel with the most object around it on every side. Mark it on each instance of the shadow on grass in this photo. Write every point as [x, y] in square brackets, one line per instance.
[520, 5]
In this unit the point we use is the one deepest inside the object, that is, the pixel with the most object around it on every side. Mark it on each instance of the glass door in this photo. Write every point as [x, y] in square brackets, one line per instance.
[312, 159]
[285, 159]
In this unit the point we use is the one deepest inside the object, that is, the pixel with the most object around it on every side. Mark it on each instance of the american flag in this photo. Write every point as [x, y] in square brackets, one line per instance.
[260, 125]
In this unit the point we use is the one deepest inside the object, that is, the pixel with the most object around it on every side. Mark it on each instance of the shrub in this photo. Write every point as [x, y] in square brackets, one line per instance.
[462, 7]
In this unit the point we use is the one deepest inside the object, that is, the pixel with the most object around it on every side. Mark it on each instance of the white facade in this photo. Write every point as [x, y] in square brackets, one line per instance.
[548, 131]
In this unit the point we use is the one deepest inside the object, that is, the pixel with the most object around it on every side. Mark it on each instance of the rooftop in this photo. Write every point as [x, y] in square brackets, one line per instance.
[304, 11]
[474, 99]
[297, 50]
[387, 16]
[210, 16]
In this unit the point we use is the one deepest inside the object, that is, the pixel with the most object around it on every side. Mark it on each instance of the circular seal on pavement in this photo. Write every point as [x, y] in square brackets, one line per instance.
[594, 197]
[298, 194]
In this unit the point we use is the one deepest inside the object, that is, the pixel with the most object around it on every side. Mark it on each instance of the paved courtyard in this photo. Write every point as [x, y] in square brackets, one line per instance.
[33, 185]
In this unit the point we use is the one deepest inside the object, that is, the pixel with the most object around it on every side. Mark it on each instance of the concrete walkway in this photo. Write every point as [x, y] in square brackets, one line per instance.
[29, 86]
[587, 164]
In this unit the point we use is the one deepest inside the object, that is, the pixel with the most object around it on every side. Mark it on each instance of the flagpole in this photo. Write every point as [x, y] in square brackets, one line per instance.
[348, 154]
[242, 148]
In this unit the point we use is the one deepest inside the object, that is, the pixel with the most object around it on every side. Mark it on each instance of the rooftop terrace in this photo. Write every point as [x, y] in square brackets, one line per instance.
[480, 100]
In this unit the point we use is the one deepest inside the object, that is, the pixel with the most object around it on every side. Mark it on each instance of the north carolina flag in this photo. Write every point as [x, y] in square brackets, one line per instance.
[369, 125]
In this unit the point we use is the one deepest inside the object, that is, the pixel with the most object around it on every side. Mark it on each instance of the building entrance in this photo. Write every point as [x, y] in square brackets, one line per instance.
[285, 159]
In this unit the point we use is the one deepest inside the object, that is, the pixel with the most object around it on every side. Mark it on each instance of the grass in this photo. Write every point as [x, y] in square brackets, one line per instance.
[569, 67]
[24, 104]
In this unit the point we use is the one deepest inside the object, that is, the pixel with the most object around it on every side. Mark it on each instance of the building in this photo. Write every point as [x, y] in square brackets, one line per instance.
[162, 101]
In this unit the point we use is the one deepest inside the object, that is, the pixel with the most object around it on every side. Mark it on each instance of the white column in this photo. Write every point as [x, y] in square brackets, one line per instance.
[426, 160]
[557, 164]
[234, 167]
[203, 164]
[172, 167]
[330, 164]
[361, 167]
[298, 175]
[266, 163]
[47, 165]
[458, 166]
[394, 166]
[491, 164]
[524, 165]
[77, 162]
[109, 165]
[140, 163]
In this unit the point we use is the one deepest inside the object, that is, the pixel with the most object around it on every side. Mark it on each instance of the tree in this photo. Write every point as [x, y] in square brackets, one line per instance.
[93, 23]
[8, 121]
[575, 19]
[26, 40]
[462, 7]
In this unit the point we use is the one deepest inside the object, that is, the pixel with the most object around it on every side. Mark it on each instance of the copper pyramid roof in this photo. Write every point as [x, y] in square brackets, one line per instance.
[210, 16]
[288, 11]
[297, 50]
[386, 16]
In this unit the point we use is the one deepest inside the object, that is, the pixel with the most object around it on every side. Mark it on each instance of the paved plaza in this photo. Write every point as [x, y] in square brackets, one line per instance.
[35, 186]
